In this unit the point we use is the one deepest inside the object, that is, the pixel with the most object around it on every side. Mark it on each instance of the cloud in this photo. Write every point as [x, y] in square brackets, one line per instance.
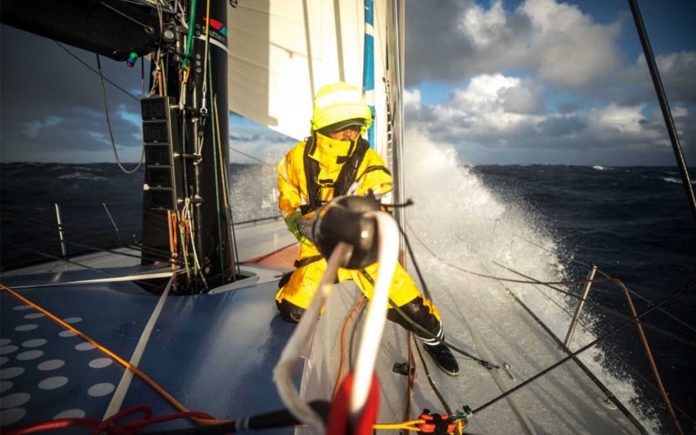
[677, 73]
[56, 113]
[554, 41]
[543, 83]
[33, 128]
[495, 119]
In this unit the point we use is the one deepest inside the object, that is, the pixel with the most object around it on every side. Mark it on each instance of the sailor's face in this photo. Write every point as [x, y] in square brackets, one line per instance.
[349, 133]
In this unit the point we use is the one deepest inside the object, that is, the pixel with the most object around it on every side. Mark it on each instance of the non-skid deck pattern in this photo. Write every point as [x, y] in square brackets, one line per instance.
[48, 371]
[214, 353]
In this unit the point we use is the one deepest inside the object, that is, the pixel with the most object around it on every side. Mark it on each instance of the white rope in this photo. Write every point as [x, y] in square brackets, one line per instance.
[283, 371]
[110, 130]
[371, 335]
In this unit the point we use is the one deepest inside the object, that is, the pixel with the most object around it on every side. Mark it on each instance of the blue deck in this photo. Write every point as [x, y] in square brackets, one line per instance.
[214, 353]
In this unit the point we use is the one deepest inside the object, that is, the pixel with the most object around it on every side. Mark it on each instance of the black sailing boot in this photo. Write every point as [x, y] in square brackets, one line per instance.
[414, 316]
[443, 358]
[442, 355]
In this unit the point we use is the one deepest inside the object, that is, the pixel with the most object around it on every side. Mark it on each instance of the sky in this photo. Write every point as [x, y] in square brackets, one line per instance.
[502, 81]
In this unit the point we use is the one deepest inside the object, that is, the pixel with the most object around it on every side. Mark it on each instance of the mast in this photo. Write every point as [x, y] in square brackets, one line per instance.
[185, 126]
[191, 219]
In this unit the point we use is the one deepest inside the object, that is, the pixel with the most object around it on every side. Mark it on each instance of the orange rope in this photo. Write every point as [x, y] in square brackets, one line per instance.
[347, 322]
[648, 353]
[162, 392]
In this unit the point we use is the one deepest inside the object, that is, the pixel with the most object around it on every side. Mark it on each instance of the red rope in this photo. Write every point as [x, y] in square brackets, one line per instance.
[109, 425]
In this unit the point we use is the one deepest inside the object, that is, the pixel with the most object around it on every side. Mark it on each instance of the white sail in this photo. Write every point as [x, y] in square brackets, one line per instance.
[282, 51]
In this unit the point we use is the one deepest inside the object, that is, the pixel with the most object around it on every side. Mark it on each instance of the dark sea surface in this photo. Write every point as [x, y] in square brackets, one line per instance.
[634, 223]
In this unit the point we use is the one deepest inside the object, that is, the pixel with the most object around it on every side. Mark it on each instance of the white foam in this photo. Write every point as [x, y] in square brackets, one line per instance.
[456, 219]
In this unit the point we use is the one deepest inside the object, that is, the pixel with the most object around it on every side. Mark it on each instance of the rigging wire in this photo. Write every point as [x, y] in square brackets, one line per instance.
[162, 254]
[111, 133]
[589, 373]
[632, 320]
[89, 67]
[248, 155]
[604, 274]
[641, 333]
[602, 307]
[85, 266]
[664, 105]
[529, 280]
[148, 29]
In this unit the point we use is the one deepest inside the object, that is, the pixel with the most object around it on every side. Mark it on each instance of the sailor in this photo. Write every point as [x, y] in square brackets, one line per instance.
[333, 161]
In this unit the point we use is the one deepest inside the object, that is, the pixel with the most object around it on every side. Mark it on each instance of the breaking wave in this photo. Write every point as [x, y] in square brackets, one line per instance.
[462, 232]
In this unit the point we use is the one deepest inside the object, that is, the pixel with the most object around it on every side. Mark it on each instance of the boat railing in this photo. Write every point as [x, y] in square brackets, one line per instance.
[575, 319]
[30, 235]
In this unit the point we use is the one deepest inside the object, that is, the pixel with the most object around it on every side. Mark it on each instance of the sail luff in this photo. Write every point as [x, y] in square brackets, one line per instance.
[282, 52]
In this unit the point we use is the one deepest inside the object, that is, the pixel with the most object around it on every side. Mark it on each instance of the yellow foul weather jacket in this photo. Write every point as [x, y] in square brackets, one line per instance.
[372, 175]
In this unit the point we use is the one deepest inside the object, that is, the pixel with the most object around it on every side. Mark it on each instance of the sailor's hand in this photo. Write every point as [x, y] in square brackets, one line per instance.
[293, 223]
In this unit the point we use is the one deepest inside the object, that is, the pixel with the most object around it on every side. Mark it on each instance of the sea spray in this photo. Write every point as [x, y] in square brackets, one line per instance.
[466, 223]
[253, 191]
[460, 229]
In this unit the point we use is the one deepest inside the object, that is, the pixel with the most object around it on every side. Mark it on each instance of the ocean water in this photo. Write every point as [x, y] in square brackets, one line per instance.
[549, 222]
